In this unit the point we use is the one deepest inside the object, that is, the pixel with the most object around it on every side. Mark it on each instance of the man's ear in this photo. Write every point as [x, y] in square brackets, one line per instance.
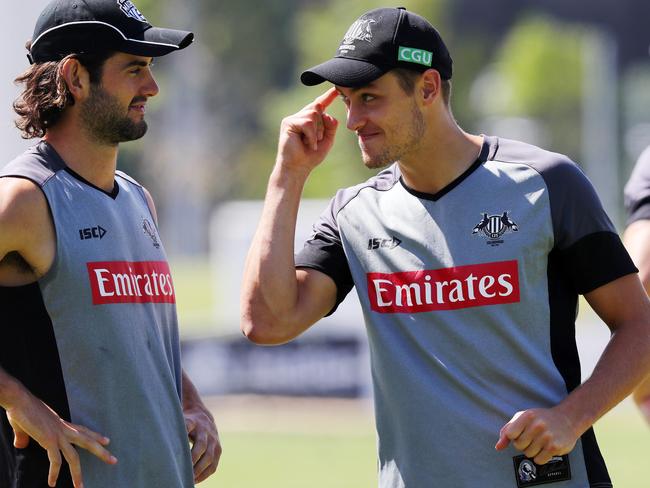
[76, 78]
[431, 85]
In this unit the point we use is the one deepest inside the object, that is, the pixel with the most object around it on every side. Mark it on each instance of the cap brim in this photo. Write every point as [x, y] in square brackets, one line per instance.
[158, 41]
[343, 72]
[84, 36]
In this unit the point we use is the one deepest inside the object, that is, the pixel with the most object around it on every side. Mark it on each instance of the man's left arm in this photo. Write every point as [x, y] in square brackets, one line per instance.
[202, 431]
[542, 433]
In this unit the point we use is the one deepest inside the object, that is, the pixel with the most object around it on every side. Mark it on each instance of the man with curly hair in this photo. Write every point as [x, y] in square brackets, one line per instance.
[90, 347]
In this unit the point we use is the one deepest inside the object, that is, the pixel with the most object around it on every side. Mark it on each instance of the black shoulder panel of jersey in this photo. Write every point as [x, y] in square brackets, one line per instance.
[38, 164]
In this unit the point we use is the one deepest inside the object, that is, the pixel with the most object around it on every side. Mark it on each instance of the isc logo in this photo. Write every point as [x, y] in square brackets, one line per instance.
[92, 233]
[376, 243]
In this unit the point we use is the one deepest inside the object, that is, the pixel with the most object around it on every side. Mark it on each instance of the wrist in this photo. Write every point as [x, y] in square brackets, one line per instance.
[291, 174]
[579, 417]
[190, 407]
[11, 392]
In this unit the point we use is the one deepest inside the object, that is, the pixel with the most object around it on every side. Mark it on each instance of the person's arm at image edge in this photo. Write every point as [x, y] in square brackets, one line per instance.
[199, 422]
[637, 242]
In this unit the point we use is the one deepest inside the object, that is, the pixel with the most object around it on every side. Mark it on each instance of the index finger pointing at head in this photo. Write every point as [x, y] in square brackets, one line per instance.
[327, 98]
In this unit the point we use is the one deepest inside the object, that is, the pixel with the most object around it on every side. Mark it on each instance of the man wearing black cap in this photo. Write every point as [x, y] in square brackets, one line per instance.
[468, 254]
[90, 347]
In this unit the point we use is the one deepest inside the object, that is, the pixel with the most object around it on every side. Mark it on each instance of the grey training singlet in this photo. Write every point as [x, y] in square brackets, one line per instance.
[109, 310]
[470, 298]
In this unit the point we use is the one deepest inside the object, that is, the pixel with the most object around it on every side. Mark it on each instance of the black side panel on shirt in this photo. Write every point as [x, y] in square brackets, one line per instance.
[29, 353]
[324, 255]
[583, 261]
[563, 301]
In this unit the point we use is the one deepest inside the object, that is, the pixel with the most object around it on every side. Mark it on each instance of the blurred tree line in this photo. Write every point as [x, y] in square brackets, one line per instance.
[518, 71]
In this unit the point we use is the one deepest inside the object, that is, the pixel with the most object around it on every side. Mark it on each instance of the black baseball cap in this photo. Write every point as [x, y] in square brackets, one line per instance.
[379, 41]
[75, 26]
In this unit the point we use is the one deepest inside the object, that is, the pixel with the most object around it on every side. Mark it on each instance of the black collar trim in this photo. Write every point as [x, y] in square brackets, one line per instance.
[112, 194]
[482, 157]
[59, 163]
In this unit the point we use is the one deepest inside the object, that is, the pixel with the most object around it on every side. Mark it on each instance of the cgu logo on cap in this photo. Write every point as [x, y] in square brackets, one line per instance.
[413, 55]
[130, 10]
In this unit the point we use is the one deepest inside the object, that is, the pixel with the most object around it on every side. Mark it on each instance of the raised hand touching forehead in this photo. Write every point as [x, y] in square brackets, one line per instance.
[307, 136]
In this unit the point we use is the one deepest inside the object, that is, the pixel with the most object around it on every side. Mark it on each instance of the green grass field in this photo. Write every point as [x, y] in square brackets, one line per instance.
[308, 443]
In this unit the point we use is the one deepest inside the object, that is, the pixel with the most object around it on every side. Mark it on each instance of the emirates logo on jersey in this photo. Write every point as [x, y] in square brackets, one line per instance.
[131, 282]
[475, 285]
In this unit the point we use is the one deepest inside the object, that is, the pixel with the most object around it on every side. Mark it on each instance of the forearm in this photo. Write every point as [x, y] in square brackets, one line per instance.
[270, 288]
[10, 390]
[623, 365]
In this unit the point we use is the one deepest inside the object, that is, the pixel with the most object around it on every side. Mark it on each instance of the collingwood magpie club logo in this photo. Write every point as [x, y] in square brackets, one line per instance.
[527, 471]
[494, 226]
[130, 10]
[361, 30]
[150, 230]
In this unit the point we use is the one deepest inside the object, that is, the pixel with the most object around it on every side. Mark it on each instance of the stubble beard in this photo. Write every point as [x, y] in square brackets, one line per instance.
[105, 121]
[396, 151]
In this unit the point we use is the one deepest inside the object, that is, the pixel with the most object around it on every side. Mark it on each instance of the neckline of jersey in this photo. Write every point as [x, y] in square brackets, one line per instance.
[482, 158]
[111, 194]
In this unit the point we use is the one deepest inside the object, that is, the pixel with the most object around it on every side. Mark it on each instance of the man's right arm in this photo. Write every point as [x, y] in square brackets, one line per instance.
[278, 301]
[26, 230]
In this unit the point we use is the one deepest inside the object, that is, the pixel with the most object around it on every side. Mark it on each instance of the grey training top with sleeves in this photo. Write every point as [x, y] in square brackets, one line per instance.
[97, 337]
[470, 298]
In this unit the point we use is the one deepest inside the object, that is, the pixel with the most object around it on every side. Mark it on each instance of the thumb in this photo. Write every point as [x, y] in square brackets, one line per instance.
[190, 425]
[21, 440]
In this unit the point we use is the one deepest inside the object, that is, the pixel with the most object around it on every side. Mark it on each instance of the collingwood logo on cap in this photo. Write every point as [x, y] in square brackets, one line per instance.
[131, 10]
[359, 31]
